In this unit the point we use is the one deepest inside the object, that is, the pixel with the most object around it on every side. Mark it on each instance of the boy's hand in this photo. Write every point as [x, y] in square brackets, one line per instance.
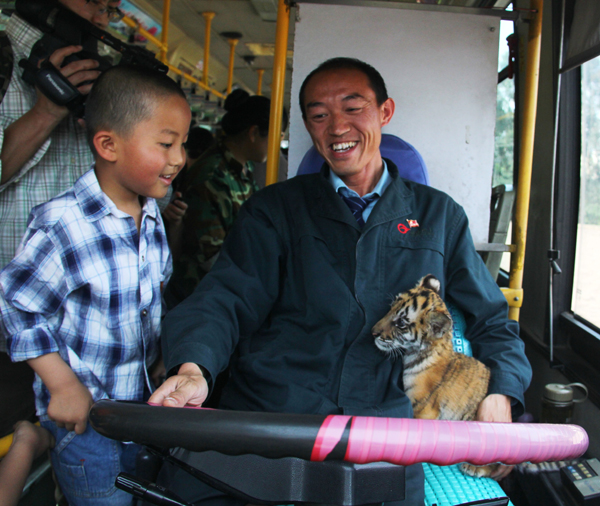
[70, 406]
[70, 400]
[187, 388]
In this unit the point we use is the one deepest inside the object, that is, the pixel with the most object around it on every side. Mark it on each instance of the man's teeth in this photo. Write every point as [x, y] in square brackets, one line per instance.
[343, 146]
[167, 177]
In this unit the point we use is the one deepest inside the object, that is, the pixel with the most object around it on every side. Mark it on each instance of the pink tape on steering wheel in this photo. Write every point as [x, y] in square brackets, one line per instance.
[442, 442]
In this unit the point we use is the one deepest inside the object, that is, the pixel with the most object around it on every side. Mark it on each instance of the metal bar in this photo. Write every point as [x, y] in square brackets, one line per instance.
[158, 43]
[517, 263]
[5, 443]
[232, 44]
[164, 36]
[195, 81]
[495, 247]
[130, 22]
[277, 91]
[552, 262]
[260, 73]
[507, 15]
[208, 17]
[514, 297]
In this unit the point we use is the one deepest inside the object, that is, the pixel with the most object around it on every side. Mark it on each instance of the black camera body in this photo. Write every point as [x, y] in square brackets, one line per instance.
[63, 28]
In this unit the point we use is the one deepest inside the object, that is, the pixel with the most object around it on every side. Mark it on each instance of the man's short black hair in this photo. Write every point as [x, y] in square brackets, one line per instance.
[341, 63]
[124, 96]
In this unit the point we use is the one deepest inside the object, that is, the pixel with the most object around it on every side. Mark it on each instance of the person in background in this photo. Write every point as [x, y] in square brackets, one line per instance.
[82, 299]
[260, 169]
[215, 187]
[199, 140]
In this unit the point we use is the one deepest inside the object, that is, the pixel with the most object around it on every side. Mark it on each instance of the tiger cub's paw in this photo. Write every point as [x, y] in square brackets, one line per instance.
[478, 471]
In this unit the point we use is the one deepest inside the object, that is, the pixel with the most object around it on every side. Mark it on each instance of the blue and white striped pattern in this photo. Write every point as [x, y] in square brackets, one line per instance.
[85, 284]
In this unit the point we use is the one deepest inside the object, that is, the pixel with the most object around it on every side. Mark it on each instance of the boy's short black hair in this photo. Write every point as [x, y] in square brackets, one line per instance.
[342, 63]
[123, 96]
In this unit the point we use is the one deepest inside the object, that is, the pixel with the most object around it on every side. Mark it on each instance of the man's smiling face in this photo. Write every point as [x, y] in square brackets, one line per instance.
[345, 121]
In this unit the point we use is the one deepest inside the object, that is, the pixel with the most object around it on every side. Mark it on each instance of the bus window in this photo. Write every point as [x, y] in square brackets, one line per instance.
[505, 114]
[504, 141]
[586, 297]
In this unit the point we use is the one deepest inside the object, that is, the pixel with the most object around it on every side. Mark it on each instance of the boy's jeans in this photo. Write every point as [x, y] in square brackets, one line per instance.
[86, 466]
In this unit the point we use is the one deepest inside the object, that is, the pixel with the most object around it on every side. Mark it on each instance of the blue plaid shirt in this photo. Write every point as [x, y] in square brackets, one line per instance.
[85, 284]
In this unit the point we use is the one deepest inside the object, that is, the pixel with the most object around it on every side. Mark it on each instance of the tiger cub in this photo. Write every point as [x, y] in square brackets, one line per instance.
[440, 383]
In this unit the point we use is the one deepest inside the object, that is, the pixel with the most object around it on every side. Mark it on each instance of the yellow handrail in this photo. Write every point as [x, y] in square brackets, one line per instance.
[208, 17]
[144, 33]
[232, 44]
[192, 79]
[164, 35]
[277, 91]
[260, 73]
[526, 157]
[6, 442]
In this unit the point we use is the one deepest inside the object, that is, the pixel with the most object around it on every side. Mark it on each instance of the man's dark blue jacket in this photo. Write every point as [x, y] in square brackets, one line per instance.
[298, 286]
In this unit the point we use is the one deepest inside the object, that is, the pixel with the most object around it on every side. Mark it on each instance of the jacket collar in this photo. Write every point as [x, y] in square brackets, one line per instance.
[395, 202]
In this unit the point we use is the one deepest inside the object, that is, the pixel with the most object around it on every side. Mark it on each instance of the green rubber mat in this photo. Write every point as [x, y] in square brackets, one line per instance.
[447, 486]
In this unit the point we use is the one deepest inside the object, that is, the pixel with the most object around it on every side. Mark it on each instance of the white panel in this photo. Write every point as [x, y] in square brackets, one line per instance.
[441, 70]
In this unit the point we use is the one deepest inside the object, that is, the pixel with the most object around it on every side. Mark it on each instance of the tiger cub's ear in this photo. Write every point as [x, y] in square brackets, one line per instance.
[431, 282]
[439, 323]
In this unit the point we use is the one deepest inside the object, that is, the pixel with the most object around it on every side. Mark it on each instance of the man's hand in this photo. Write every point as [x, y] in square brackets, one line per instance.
[26, 135]
[496, 408]
[188, 387]
[70, 406]
[76, 72]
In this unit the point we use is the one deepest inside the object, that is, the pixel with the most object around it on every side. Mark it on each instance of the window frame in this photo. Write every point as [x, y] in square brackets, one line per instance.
[576, 343]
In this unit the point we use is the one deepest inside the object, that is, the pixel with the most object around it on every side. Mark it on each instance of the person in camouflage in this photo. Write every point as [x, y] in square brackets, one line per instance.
[215, 187]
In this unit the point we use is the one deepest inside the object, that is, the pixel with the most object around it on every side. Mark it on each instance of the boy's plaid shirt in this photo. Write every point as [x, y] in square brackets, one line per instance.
[85, 284]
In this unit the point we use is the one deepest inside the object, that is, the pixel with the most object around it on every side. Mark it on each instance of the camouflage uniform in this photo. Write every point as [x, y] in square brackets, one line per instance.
[214, 188]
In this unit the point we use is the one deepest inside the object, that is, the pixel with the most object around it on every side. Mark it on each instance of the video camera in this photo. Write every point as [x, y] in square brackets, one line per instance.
[65, 28]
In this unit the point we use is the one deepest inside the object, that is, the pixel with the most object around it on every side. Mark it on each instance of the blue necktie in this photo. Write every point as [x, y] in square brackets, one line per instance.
[357, 205]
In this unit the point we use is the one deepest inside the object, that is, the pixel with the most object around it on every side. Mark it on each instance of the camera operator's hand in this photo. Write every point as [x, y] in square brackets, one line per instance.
[76, 72]
[25, 136]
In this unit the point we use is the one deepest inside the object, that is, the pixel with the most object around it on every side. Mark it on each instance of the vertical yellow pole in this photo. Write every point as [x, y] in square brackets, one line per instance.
[232, 44]
[208, 17]
[526, 157]
[277, 90]
[260, 73]
[164, 36]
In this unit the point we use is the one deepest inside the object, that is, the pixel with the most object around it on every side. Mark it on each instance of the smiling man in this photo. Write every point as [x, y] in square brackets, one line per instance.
[309, 268]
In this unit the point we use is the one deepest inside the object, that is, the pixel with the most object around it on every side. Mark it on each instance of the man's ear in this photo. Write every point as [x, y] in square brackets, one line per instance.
[105, 143]
[387, 111]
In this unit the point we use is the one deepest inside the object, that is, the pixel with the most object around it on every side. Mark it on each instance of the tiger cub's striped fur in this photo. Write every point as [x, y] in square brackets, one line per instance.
[440, 383]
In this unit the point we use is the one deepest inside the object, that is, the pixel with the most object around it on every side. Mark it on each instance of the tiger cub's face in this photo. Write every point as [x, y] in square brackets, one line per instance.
[417, 317]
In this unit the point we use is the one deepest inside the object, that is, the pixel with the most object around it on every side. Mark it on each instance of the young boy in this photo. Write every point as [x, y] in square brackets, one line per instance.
[81, 301]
